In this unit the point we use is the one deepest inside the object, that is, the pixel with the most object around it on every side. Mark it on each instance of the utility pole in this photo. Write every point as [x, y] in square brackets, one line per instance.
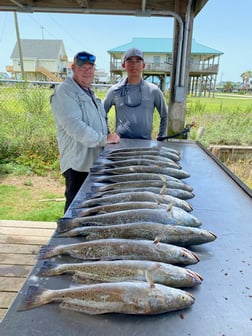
[19, 46]
[42, 29]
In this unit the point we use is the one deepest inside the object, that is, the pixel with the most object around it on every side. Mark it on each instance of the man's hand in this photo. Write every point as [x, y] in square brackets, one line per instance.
[113, 138]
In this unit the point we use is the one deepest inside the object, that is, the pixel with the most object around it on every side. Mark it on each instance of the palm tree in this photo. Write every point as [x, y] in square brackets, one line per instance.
[246, 78]
[228, 86]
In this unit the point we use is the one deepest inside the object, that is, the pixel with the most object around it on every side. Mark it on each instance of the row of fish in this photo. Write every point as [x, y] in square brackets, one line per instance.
[137, 227]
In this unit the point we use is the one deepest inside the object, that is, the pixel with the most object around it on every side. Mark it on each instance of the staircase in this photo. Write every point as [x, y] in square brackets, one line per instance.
[49, 74]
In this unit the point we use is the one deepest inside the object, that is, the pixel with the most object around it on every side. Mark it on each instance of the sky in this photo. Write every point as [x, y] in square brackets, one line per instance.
[222, 24]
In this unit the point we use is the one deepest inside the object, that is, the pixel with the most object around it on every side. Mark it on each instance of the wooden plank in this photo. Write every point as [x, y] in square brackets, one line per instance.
[224, 152]
[15, 270]
[6, 299]
[20, 259]
[19, 249]
[11, 284]
[20, 242]
[2, 312]
[26, 231]
[29, 240]
[27, 224]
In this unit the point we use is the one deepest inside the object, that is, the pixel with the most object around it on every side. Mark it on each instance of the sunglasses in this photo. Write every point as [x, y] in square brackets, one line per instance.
[131, 101]
[82, 56]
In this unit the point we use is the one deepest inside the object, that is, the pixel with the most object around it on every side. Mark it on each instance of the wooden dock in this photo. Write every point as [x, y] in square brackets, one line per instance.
[224, 152]
[20, 241]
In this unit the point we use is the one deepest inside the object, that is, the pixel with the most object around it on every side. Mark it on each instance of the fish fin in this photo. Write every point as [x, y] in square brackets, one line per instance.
[99, 171]
[95, 189]
[170, 207]
[154, 267]
[163, 178]
[48, 268]
[162, 191]
[80, 277]
[33, 298]
[84, 234]
[149, 279]
[157, 240]
[81, 308]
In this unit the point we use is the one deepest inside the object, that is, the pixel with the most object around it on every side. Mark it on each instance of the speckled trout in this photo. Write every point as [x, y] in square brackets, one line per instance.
[169, 234]
[123, 270]
[145, 149]
[130, 249]
[123, 217]
[142, 156]
[170, 154]
[175, 212]
[136, 161]
[143, 186]
[140, 196]
[117, 297]
[178, 173]
[170, 181]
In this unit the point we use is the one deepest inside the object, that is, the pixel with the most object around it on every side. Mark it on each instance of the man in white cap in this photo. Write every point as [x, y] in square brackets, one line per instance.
[81, 124]
[135, 101]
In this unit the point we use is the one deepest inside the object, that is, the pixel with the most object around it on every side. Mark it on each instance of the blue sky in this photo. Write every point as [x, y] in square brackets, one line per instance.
[222, 24]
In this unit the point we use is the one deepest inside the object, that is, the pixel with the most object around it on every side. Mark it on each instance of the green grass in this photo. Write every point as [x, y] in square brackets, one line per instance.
[20, 203]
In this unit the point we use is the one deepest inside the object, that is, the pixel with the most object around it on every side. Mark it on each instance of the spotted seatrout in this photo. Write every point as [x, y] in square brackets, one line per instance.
[172, 188]
[178, 173]
[169, 234]
[117, 297]
[161, 216]
[126, 156]
[160, 149]
[170, 154]
[123, 270]
[137, 161]
[137, 196]
[177, 213]
[170, 181]
[130, 249]
[177, 193]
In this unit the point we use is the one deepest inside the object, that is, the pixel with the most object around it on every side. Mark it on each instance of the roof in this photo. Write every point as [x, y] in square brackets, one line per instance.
[42, 49]
[117, 7]
[161, 45]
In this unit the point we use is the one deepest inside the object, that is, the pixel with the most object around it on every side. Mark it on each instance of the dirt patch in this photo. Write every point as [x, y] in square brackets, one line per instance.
[37, 183]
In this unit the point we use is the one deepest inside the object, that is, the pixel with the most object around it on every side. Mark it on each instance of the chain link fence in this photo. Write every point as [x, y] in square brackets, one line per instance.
[22, 96]
[27, 126]
[30, 96]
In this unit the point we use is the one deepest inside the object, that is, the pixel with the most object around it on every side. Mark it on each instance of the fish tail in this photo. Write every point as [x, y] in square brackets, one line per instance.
[48, 268]
[33, 298]
[47, 251]
[65, 224]
[82, 278]
[95, 189]
[97, 170]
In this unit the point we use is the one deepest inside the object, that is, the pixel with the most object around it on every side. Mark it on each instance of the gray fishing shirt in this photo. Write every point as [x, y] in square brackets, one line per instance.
[134, 106]
[81, 126]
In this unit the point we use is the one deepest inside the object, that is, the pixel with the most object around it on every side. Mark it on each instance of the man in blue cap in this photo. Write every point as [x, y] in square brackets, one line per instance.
[81, 124]
[135, 100]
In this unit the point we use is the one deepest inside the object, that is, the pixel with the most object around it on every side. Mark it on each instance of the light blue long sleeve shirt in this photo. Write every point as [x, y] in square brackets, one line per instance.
[81, 126]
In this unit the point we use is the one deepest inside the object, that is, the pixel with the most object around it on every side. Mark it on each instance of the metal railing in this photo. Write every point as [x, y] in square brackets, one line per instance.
[200, 68]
